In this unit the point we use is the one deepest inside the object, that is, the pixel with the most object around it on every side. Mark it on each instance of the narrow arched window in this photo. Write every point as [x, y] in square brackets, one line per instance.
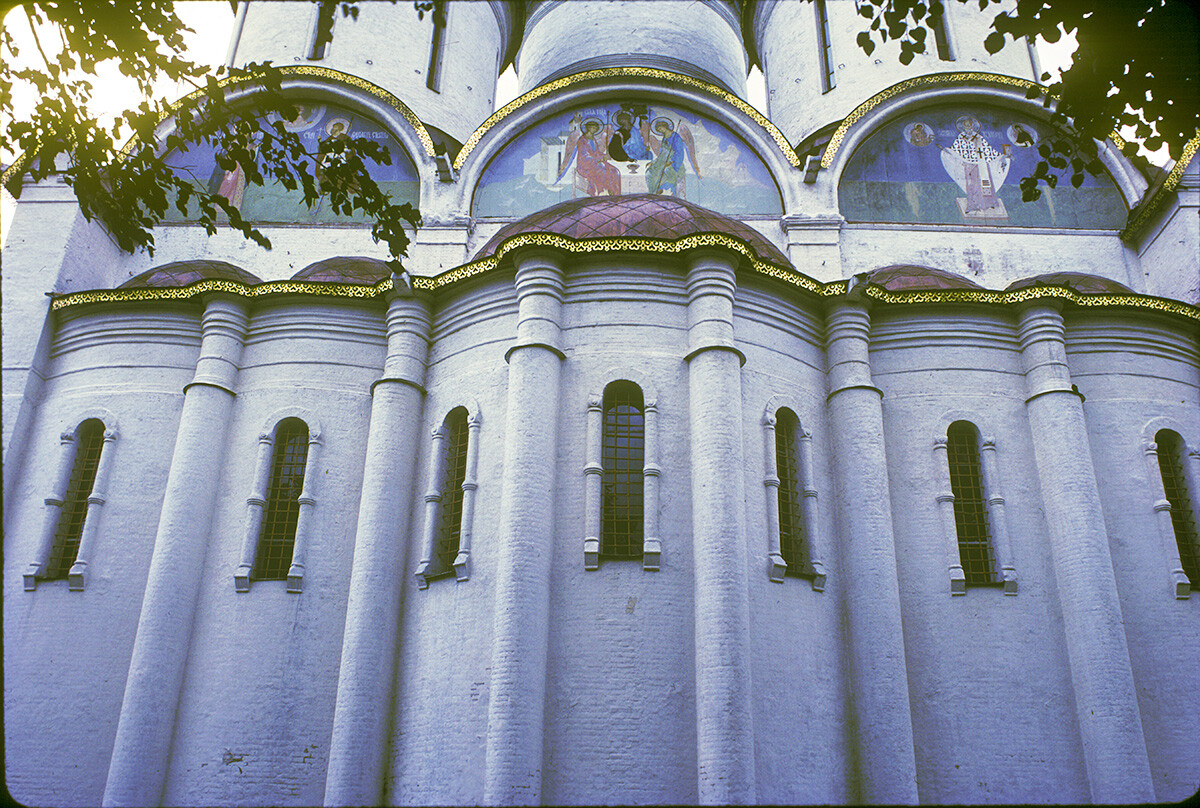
[1183, 510]
[622, 457]
[793, 543]
[322, 30]
[277, 540]
[941, 36]
[450, 529]
[89, 441]
[970, 507]
[825, 47]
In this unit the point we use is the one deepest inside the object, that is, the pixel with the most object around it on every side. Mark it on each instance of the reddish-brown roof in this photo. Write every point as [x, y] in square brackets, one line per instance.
[634, 216]
[1080, 282]
[354, 269]
[182, 273]
[911, 278]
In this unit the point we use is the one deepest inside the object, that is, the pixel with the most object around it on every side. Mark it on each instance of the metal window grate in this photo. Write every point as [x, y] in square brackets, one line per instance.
[970, 509]
[89, 443]
[452, 492]
[278, 536]
[623, 450]
[1183, 510]
[793, 543]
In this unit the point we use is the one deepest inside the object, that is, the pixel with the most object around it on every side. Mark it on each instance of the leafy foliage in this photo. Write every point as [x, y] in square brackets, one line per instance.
[131, 190]
[1136, 66]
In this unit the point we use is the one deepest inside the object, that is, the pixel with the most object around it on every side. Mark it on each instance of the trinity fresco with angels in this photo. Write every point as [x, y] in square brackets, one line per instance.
[962, 164]
[626, 148]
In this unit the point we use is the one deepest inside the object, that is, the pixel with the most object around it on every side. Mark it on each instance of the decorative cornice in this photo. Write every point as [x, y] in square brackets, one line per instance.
[922, 82]
[290, 71]
[801, 282]
[1149, 207]
[601, 74]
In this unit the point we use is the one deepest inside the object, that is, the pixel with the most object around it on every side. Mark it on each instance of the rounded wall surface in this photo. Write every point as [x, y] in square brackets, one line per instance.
[700, 39]
[790, 51]
[390, 46]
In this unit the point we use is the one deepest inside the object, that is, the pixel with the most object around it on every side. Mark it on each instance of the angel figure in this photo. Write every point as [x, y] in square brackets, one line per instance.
[666, 172]
[587, 147]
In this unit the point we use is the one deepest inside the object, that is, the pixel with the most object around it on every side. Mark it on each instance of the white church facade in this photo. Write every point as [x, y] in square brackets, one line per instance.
[701, 455]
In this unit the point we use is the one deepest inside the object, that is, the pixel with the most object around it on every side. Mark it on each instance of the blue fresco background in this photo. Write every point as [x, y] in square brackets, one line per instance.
[272, 203]
[522, 179]
[889, 179]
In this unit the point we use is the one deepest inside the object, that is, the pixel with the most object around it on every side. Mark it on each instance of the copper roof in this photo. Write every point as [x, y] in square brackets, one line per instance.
[1080, 282]
[910, 278]
[355, 269]
[647, 216]
[182, 273]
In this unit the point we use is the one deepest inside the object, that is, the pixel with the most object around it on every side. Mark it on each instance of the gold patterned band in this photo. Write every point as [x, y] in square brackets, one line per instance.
[602, 246]
[653, 74]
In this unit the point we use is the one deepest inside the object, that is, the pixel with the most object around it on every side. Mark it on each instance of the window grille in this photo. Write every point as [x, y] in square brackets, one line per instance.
[278, 537]
[450, 530]
[793, 543]
[827, 77]
[941, 37]
[970, 508]
[89, 443]
[1183, 510]
[622, 457]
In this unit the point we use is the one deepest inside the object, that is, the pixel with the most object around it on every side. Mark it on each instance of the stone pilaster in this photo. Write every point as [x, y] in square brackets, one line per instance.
[525, 538]
[138, 768]
[366, 687]
[1110, 722]
[724, 708]
[878, 674]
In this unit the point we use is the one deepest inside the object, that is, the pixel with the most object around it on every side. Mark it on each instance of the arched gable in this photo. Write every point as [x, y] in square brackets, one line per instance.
[330, 105]
[954, 154]
[639, 136]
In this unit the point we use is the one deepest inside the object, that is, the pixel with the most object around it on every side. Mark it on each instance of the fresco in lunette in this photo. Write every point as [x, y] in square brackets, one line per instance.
[609, 149]
[963, 165]
[272, 203]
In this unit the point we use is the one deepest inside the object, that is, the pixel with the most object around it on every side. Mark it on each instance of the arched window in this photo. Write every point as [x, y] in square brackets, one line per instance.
[277, 539]
[622, 458]
[793, 542]
[450, 529]
[970, 506]
[89, 440]
[1183, 510]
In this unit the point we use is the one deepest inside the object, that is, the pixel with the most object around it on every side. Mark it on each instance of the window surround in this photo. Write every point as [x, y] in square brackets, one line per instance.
[824, 46]
[257, 501]
[1181, 585]
[433, 497]
[78, 573]
[992, 497]
[593, 474]
[776, 565]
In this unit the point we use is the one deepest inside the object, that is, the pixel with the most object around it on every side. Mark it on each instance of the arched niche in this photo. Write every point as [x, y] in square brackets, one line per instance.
[961, 163]
[318, 118]
[625, 145]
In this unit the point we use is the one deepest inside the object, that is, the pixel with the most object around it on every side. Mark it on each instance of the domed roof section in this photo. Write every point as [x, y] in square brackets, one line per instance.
[649, 216]
[1080, 282]
[912, 278]
[182, 273]
[354, 269]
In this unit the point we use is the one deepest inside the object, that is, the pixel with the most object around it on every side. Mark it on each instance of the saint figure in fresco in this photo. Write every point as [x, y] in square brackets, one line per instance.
[666, 173]
[587, 147]
[628, 142]
[330, 154]
[978, 169]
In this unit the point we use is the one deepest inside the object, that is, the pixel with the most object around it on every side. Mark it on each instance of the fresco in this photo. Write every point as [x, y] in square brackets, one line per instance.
[626, 148]
[963, 165]
[272, 203]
